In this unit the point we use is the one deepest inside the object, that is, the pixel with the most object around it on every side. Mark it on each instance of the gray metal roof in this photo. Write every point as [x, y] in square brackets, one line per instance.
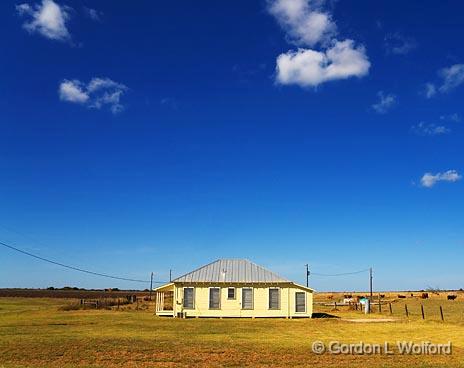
[231, 271]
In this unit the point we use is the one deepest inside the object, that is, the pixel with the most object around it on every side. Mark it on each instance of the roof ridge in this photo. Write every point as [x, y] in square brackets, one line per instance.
[241, 270]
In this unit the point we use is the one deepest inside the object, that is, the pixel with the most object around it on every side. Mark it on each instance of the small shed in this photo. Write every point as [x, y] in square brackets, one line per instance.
[233, 288]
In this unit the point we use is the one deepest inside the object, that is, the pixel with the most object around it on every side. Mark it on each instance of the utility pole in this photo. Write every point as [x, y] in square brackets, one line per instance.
[370, 283]
[307, 275]
[170, 275]
[151, 284]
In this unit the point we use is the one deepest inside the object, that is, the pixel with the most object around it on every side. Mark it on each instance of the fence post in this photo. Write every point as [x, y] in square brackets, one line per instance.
[406, 310]
[390, 305]
[441, 314]
[380, 305]
[422, 311]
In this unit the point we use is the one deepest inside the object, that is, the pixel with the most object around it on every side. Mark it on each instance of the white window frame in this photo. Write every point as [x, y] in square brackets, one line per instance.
[269, 298]
[193, 297]
[305, 301]
[235, 293]
[252, 298]
[209, 298]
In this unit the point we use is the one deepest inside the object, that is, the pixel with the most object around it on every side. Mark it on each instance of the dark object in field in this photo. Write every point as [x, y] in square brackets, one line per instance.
[412, 295]
[324, 315]
[382, 296]
[401, 296]
[347, 296]
[330, 297]
[452, 297]
[425, 295]
[131, 298]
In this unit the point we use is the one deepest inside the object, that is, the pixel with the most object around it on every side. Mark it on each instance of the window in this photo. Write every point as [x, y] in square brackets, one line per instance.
[300, 302]
[230, 293]
[247, 298]
[214, 298]
[274, 298]
[188, 298]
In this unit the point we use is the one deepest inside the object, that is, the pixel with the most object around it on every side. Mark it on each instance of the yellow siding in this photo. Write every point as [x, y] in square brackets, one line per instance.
[233, 308]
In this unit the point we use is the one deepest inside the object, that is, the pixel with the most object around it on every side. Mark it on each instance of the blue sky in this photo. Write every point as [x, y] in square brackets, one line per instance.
[169, 134]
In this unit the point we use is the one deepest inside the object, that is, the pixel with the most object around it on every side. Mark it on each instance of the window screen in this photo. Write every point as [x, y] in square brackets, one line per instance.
[231, 293]
[247, 298]
[274, 298]
[214, 298]
[300, 302]
[188, 298]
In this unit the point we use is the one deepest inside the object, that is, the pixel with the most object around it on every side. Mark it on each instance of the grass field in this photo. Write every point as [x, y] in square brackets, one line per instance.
[35, 332]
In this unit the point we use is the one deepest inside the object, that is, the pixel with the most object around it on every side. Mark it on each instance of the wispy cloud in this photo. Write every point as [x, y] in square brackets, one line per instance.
[452, 77]
[386, 101]
[397, 44]
[429, 129]
[429, 90]
[429, 180]
[452, 117]
[99, 92]
[449, 79]
[93, 14]
[48, 19]
[169, 102]
[307, 25]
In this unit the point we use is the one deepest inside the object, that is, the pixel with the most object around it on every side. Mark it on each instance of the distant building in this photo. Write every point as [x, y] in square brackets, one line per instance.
[233, 288]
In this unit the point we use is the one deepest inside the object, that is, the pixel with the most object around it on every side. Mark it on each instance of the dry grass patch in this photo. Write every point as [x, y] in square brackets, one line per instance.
[35, 333]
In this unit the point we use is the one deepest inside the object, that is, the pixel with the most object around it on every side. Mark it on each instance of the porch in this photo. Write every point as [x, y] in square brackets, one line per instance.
[165, 303]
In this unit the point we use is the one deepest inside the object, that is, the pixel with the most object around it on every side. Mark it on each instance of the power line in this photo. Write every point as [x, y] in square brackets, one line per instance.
[339, 274]
[75, 268]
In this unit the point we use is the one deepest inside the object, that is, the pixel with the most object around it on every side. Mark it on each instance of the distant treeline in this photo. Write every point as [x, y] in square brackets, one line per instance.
[70, 292]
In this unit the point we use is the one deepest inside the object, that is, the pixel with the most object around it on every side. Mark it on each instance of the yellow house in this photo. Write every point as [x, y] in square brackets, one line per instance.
[233, 288]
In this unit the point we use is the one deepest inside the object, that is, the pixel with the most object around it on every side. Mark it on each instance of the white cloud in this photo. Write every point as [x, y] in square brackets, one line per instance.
[99, 92]
[385, 103]
[311, 68]
[306, 24]
[397, 44]
[450, 78]
[304, 21]
[48, 19]
[73, 91]
[428, 180]
[429, 129]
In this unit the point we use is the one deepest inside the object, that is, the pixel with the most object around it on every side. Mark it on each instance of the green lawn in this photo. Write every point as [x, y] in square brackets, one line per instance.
[35, 333]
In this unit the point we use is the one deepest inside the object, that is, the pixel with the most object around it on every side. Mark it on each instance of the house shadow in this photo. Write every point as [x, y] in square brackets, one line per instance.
[324, 315]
